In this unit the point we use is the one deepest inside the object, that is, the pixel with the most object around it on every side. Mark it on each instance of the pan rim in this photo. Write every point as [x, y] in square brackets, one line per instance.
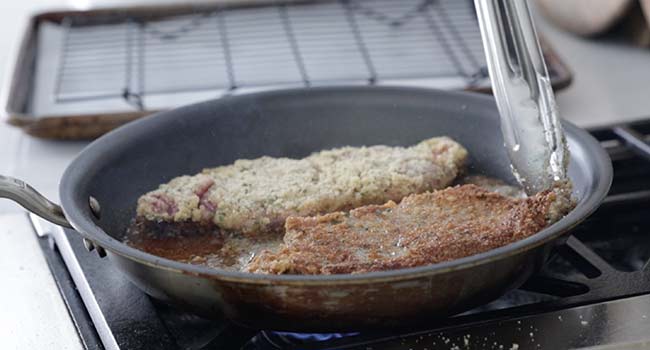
[85, 226]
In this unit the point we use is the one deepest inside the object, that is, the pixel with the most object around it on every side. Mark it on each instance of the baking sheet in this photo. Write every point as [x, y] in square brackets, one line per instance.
[94, 70]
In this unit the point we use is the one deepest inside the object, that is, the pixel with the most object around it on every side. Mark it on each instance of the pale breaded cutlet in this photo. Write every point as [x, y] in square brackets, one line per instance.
[422, 229]
[252, 196]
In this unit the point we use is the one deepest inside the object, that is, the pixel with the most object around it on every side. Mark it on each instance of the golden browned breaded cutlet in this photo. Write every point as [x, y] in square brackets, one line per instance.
[252, 196]
[422, 229]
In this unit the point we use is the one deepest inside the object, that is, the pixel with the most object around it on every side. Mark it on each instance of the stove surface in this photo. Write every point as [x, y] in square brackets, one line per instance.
[594, 291]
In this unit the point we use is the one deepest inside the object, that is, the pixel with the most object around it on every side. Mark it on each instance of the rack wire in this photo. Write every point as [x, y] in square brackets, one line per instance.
[226, 50]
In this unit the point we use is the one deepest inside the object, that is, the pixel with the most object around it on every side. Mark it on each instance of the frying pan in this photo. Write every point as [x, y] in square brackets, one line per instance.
[100, 188]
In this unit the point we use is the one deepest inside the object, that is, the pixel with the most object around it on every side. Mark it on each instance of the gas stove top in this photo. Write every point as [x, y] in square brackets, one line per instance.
[594, 290]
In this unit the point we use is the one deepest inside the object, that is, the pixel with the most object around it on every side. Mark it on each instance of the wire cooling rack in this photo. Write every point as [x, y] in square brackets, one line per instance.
[435, 42]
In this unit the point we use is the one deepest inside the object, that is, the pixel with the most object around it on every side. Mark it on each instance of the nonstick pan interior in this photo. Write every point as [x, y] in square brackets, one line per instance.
[119, 167]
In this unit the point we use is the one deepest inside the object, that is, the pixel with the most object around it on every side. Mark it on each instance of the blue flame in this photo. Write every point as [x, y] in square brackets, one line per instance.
[312, 337]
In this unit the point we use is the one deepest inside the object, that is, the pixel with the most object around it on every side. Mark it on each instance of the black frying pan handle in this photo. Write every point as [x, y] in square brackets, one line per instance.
[25, 195]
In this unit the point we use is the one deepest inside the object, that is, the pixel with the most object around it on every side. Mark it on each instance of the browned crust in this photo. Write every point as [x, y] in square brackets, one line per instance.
[423, 229]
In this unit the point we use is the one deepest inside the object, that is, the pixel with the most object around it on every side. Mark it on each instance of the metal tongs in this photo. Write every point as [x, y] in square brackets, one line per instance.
[529, 119]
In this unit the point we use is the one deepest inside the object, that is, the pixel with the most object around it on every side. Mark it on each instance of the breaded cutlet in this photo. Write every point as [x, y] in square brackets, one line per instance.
[422, 229]
[253, 196]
